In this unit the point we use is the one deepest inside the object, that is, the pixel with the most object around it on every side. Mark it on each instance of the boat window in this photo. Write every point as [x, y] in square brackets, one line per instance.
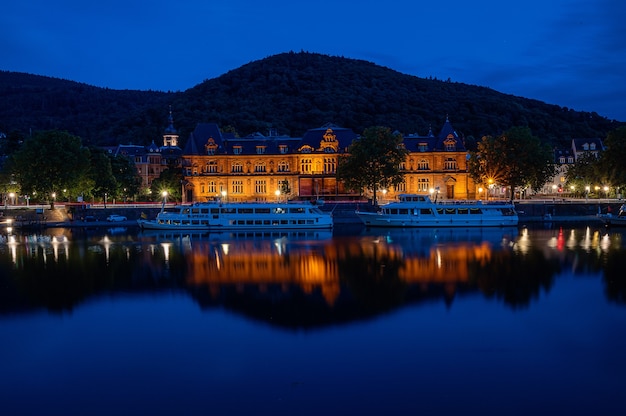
[403, 211]
[195, 210]
[262, 210]
[299, 210]
[185, 210]
[426, 211]
[279, 210]
[284, 222]
[215, 210]
[440, 211]
[450, 211]
[245, 210]
[393, 211]
[463, 211]
[476, 211]
[228, 210]
[204, 210]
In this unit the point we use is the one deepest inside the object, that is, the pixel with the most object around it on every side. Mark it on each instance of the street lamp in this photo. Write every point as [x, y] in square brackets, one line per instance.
[480, 192]
[384, 194]
[11, 198]
[606, 192]
[224, 195]
[277, 193]
[587, 189]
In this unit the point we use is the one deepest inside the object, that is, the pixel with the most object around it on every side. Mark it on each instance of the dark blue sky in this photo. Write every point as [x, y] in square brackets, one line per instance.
[566, 52]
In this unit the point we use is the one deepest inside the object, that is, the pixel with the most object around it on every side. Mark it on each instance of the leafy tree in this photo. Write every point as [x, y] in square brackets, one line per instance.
[104, 183]
[169, 181]
[515, 158]
[584, 172]
[373, 161]
[49, 162]
[611, 161]
[126, 176]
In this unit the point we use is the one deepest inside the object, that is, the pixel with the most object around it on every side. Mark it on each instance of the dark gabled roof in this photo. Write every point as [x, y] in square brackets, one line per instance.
[412, 142]
[130, 150]
[199, 137]
[314, 137]
[578, 144]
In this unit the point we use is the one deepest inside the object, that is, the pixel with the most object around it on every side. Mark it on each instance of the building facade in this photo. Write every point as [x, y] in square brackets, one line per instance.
[264, 168]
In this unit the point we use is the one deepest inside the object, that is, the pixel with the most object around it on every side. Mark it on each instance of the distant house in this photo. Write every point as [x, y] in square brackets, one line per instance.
[564, 158]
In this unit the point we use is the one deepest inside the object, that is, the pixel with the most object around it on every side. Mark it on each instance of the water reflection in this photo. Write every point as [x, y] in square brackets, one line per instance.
[308, 278]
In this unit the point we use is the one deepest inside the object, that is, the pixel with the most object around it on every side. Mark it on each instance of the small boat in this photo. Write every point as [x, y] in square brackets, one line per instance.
[615, 220]
[415, 210]
[218, 216]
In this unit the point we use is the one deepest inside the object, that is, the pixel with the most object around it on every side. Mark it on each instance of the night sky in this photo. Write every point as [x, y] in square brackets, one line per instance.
[566, 52]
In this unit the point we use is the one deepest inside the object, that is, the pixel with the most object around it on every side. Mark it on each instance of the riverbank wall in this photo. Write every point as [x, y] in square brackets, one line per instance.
[343, 213]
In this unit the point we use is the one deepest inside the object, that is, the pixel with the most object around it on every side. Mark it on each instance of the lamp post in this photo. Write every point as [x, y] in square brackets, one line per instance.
[606, 192]
[277, 193]
[480, 193]
[384, 191]
[11, 198]
[224, 196]
[587, 189]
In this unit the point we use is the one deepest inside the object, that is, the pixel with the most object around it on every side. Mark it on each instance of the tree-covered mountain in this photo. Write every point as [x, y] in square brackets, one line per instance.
[290, 92]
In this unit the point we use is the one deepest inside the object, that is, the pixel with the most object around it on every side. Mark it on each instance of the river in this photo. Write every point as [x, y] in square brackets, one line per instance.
[433, 321]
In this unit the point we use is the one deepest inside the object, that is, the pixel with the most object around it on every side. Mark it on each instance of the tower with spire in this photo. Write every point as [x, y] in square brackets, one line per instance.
[170, 135]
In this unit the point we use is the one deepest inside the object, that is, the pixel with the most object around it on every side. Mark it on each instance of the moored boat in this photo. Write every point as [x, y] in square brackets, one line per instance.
[415, 210]
[615, 220]
[216, 216]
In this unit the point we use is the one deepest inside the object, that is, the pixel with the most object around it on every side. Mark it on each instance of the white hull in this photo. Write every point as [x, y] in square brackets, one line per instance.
[372, 219]
[413, 211]
[217, 217]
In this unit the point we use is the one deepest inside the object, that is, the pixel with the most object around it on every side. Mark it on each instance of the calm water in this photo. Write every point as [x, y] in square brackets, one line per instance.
[117, 322]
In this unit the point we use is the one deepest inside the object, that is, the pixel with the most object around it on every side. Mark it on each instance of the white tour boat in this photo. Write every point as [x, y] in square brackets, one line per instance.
[217, 216]
[414, 210]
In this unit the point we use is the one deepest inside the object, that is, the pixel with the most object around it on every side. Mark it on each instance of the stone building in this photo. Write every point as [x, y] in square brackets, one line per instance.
[264, 168]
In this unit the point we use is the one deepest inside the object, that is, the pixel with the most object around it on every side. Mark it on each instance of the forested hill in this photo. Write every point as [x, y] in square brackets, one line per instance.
[291, 92]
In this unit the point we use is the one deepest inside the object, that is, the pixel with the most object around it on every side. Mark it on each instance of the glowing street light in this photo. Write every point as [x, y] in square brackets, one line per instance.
[277, 193]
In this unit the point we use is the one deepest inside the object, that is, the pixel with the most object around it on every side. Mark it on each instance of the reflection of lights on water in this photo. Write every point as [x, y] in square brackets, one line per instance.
[166, 251]
[225, 248]
[439, 261]
[605, 242]
[13, 246]
[523, 242]
[106, 242]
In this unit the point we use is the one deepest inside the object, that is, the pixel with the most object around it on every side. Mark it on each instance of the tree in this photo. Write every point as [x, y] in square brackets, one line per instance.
[104, 183]
[373, 161]
[49, 162]
[515, 158]
[611, 161]
[170, 181]
[126, 176]
[584, 172]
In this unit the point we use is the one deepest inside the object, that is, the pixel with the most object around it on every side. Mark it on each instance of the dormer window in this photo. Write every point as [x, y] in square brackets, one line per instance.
[260, 150]
[282, 148]
[570, 159]
[422, 147]
[592, 146]
[237, 150]
[586, 146]
[562, 159]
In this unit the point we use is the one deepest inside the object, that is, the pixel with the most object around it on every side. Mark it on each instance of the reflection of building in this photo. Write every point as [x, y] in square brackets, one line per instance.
[316, 265]
[261, 168]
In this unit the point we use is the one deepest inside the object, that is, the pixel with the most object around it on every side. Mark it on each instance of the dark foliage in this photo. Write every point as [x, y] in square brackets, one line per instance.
[291, 92]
